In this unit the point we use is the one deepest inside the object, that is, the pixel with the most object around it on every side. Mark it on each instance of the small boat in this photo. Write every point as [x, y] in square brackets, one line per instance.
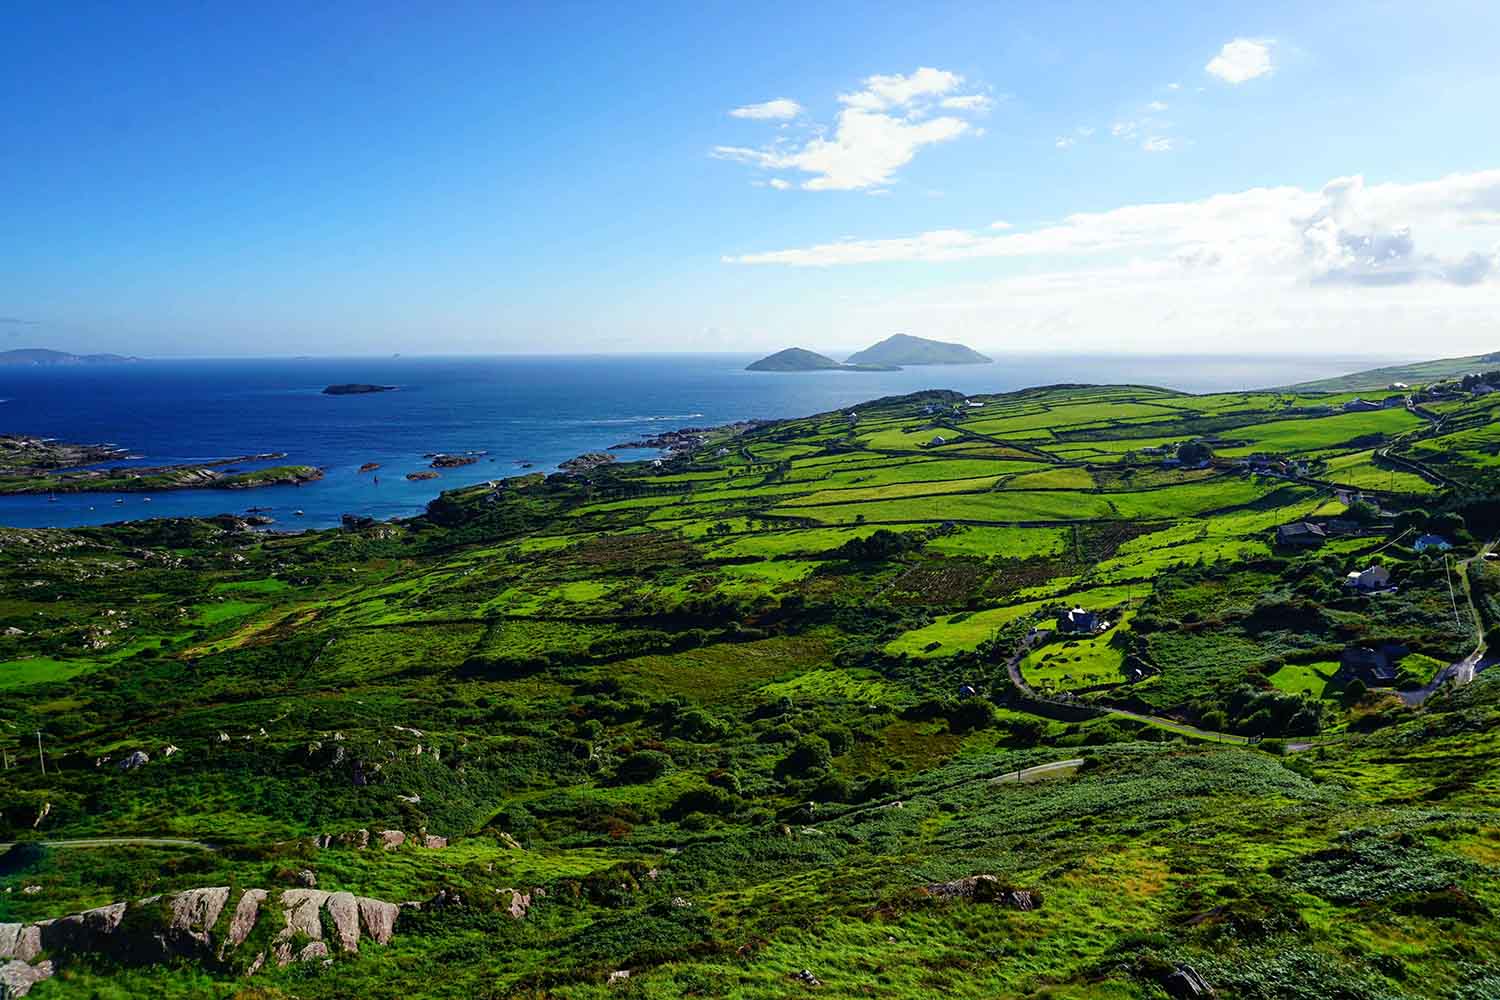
[145, 500]
[119, 499]
[298, 513]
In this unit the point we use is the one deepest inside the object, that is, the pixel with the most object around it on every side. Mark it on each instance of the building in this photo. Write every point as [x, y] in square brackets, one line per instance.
[1368, 579]
[935, 442]
[1079, 621]
[1358, 405]
[1398, 385]
[1374, 667]
[1393, 402]
[1302, 534]
[1483, 389]
[1437, 542]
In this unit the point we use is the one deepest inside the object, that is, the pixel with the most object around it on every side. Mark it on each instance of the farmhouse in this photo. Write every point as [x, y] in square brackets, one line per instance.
[1079, 621]
[1393, 402]
[1303, 534]
[1398, 385]
[1357, 405]
[1374, 667]
[1483, 389]
[1437, 542]
[937, 441]
[1368, 579]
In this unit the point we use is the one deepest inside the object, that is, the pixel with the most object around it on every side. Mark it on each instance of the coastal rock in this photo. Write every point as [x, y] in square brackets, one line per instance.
[453, 461]
[419, 476]
[586, 462]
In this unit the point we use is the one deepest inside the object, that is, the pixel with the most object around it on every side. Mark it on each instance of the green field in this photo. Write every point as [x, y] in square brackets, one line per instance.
[741, 715]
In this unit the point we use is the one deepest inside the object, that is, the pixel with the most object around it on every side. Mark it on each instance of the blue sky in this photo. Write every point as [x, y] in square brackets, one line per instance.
[365, 177]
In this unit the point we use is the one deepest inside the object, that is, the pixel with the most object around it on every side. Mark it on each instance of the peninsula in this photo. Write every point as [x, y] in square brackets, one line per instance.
[43, 356]
[40, 465]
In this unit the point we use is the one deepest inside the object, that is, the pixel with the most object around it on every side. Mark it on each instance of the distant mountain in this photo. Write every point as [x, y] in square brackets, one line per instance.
[795, 359]
[904, 349]
[42, 356]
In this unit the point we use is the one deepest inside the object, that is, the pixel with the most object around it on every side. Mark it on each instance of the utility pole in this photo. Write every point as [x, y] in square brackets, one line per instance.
[1454, 600]
[40, 757]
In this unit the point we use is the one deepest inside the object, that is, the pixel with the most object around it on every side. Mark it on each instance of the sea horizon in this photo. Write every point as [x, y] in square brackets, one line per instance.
[523, 412]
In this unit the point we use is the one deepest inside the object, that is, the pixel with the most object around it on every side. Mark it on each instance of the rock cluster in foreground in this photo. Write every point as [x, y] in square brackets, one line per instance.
[262, 925]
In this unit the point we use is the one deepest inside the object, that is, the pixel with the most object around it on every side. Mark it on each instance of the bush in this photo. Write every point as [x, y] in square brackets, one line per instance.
[642, 766]
[807, 754]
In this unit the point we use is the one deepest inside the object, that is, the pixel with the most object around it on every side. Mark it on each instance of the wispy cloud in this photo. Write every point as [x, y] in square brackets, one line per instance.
[779, 109]
[1348, 232]
[1159, 144]
[1241, 60]
[18, 321]
[880, 129]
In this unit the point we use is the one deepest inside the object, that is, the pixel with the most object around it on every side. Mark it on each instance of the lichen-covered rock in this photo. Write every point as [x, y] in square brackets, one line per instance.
[301, 907]
[135, 760]
[391, 839]
[86, 931]
[520, 902]
[20, 941]
[434, 843]
[343, 908]
[243, 921]
[17, 977]
[195, 912]
[312, 950]
[379, 918]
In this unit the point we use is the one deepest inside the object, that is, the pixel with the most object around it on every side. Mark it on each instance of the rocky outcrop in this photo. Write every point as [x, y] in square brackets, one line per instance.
[1186, 984]
[986, 889]
[356, 389]
[188, 924]
[586, 462]
[17, 978]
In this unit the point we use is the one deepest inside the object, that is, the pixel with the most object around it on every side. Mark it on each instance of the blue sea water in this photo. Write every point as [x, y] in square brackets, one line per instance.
[542, 410]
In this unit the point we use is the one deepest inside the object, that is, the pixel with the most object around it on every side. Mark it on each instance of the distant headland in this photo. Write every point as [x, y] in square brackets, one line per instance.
[889, 355]
[43, 356]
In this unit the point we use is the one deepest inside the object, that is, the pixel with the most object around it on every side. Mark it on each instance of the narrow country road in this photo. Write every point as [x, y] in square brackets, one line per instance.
[113, 842]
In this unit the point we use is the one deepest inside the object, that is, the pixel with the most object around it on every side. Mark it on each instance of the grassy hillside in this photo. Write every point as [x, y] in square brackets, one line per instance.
[742, 715]
[1411, 374]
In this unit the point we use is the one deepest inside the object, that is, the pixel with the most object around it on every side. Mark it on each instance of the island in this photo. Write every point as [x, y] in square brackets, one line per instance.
[41, 465]
[356, 389]
[44, 356]
[904, 349]
[797, 359]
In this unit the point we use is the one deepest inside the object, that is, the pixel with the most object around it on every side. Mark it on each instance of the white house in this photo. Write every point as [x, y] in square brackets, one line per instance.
[1370, 578]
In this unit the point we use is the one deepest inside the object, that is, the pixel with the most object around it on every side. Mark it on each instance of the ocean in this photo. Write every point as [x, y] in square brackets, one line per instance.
[541, 410]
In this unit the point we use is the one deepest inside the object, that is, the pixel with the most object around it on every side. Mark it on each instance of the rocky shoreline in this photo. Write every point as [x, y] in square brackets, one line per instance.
[39, 465]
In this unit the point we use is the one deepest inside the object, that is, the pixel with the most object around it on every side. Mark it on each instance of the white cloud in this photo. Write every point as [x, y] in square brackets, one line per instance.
[779, 184]
[1409, 269]
[1065, 142]
[1348, 233]
[894, 91]
[967, 102]
[1242, 59]
[880, 130]
[1123, 130]
[1001, 224]
[1159, 144]
[1174, 86]
[1156, 106]
[779, 109]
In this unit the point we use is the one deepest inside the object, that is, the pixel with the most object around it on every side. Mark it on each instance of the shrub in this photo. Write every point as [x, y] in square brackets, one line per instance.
[642, 766]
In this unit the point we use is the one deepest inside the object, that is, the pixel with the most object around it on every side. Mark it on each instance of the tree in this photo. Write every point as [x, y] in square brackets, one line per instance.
[642, 766]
